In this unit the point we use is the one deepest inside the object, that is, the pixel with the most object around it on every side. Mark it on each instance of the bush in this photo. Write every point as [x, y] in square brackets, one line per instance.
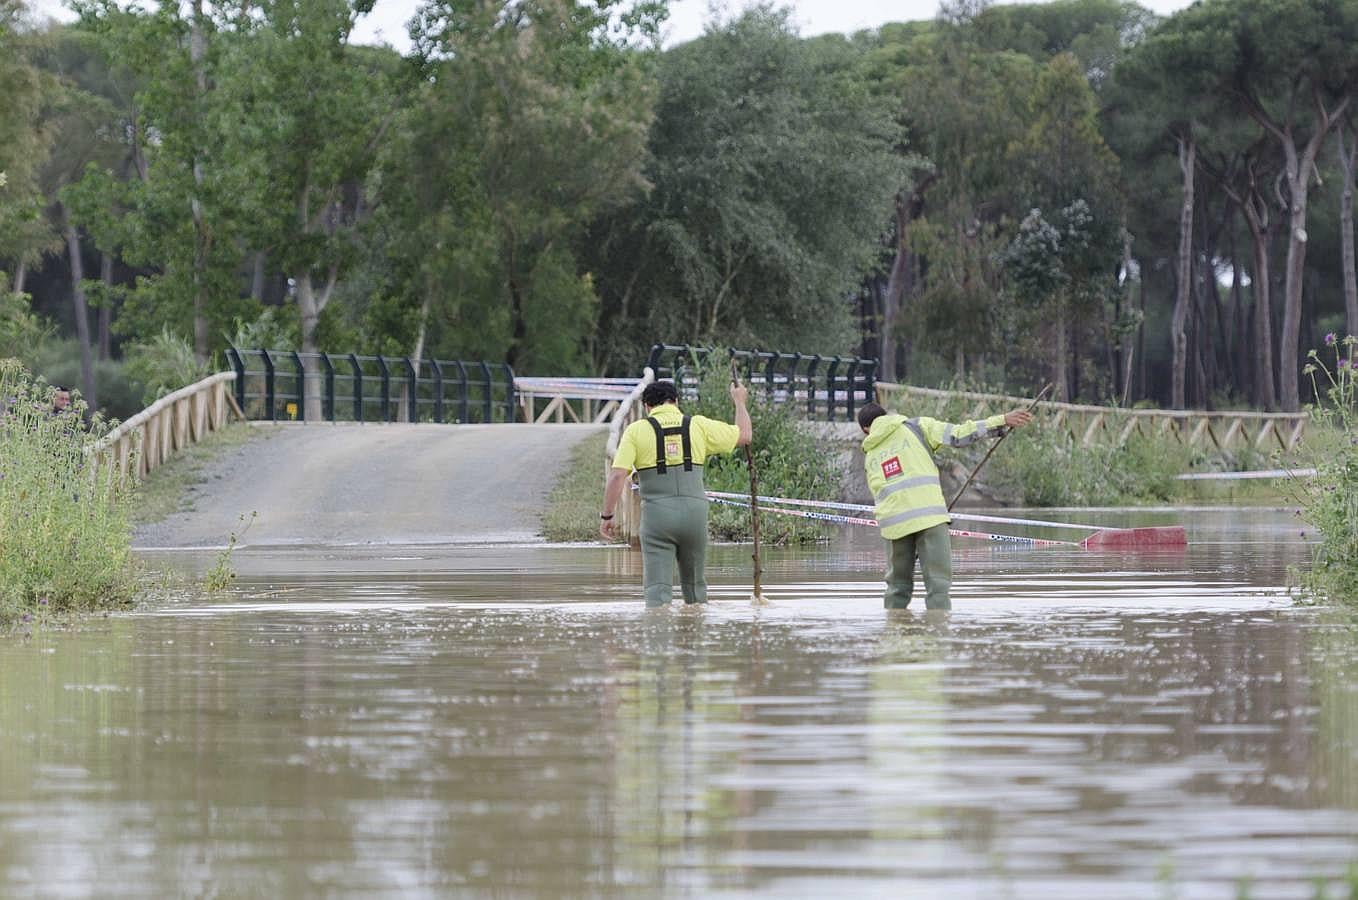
[20, 329]
[1330, 503]
[163, 365]
[789, 462]
[65, 542]
[1047, 467]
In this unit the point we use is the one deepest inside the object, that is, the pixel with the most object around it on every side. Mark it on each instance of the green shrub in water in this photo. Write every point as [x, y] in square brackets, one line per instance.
[65, 542]
[1043, 466]
[1330, 501]
[789, 461]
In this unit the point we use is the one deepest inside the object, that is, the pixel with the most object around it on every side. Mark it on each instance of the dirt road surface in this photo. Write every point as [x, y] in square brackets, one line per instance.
[349, 484]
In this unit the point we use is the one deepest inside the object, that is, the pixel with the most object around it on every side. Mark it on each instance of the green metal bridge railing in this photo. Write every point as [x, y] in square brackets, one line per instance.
[282, 385]
[829, 387]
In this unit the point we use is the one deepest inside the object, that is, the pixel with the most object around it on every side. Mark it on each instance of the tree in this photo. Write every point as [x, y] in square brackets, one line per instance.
[181, 217]
[1346, 145]
[24, 234]
[1066, 166]
[316, 112]
[535, 123]
[1291, 66]
[963, 108]
[773, 173]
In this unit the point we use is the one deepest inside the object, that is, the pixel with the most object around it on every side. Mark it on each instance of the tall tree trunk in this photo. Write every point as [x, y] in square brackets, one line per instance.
[1297, 174]
[106, 308]
[1347, 152]
[310, 304]
[416, 358]
[1117, 340]
[1241, 373]
[1188, 151]
[81, 310]
[20, 276]
[899, 285]
[1061, 360]
[1261, 284]
[202, 236]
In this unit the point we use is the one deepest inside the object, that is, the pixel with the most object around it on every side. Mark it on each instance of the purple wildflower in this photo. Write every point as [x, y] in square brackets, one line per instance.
[27, 617]
[1343, 364]
[1330, 339]
[42, 601]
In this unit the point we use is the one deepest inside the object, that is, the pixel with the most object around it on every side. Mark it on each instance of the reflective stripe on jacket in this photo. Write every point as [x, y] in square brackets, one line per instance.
[902, 475]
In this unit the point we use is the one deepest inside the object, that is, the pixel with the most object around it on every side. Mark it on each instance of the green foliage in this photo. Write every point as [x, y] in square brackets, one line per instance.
[164, 364]
[1331, 503]
[65, 544]
[533, 123]
[27, 138]
[58, 362]
[789, 462]
[1042, 466]
[221, 575]
[773, 170]
[275, 328]
[21, 332]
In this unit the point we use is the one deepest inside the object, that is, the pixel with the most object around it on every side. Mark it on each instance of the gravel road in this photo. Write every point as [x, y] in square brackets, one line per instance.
[347, 484]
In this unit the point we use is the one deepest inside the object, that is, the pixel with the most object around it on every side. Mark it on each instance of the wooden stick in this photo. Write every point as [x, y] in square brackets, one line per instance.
[754, 501]
[962, 490]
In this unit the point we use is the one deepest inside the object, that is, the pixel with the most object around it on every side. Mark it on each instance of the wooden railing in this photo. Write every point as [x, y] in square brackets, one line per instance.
[170, 424]
[582, 400]
[628, 512]
[1106, 424]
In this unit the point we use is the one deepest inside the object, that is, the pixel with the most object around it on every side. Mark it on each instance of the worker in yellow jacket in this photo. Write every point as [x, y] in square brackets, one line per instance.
[667, 449]
[911, 512]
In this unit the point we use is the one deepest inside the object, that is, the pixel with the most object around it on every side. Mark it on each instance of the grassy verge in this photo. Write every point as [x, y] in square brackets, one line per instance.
[65, 542]
[573, 506]
[1330, 501]
[169, 489]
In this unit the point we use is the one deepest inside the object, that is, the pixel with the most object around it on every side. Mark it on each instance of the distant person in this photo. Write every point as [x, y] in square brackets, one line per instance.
[898, 454]
[61, 399]
[667, 449]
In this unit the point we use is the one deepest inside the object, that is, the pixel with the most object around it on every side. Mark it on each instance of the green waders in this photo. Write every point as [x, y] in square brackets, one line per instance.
[673, 522]
[673, 526]
[933, 548]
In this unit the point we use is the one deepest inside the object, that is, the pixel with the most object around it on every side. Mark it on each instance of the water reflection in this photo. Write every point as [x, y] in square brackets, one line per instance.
[505, 722]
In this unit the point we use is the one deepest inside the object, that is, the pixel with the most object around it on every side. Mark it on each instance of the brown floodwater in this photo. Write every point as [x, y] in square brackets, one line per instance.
[508, 721]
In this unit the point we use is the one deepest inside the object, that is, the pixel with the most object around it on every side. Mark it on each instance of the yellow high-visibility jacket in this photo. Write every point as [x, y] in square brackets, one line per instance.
[898, 456]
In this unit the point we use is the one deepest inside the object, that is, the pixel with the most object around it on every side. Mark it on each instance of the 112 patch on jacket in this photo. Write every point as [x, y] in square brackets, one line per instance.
[891, 467]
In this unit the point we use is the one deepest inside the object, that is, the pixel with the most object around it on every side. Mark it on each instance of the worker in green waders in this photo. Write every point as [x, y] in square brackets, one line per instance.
[911, 513]
[667, 449]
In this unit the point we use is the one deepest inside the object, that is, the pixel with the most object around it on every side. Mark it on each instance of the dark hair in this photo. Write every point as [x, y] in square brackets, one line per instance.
[57, 388]
[659, 392]
[869, 413]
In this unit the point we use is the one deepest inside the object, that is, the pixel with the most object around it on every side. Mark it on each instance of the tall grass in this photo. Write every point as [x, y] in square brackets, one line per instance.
[65, 542]
[1043, 466]
[1330, 502]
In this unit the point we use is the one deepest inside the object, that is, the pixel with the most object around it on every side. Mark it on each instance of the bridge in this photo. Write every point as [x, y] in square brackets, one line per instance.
[416, 480]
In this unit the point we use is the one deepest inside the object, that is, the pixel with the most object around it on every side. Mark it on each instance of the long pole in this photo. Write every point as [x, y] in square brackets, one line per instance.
[963, 489]
[754, 500]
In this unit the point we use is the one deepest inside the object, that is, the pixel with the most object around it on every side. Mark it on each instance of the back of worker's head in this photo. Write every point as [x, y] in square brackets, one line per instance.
[659, 392]
[869, 413]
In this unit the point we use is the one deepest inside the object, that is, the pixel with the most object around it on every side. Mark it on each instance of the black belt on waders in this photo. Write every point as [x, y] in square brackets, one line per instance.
[683, 431]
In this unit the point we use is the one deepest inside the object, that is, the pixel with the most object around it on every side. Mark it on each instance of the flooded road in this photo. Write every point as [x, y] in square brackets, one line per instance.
[508, 721]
